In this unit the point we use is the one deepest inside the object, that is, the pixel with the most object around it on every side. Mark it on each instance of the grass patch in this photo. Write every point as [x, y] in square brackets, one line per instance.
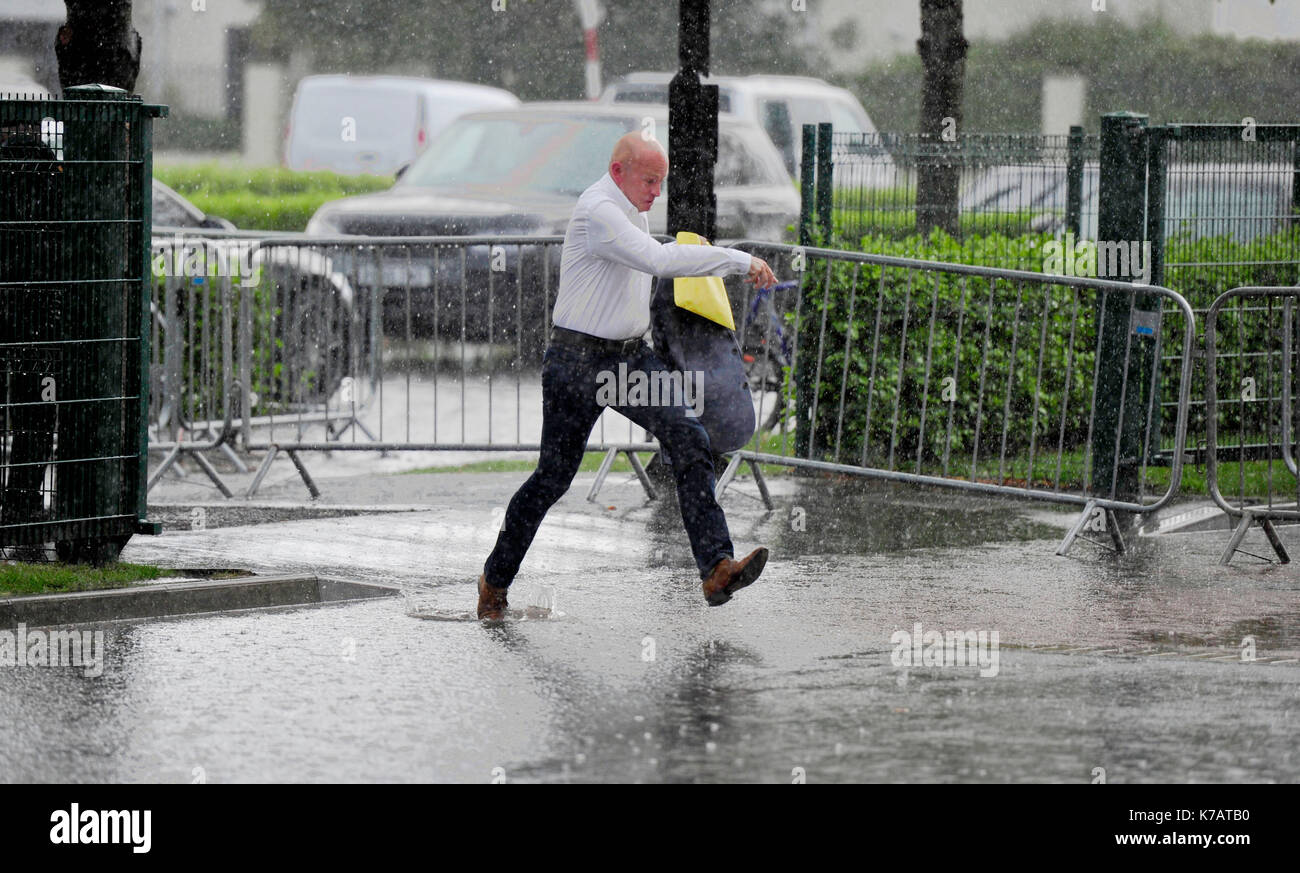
[1255, 475]
[1250, 478]
[21, 578]
[590, 464]
[1015, 472]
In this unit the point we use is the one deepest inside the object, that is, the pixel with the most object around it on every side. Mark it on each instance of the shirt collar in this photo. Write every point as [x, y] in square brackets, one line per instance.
[616, 193]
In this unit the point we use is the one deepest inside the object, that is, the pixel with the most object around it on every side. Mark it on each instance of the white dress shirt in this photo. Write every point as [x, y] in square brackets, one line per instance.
[609, 257]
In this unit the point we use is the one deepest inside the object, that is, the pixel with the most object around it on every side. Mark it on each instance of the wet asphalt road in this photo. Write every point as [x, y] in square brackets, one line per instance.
[1128, 664]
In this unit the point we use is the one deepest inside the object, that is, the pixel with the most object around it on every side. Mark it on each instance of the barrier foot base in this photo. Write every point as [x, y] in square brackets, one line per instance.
[1090, 514]
[1112, 524]
[1275, 541]
[306, 477]
[650, 492]
[261, 472]
[605, 464]
[163, 468]
[733, 464]
[1239, 533]
[230, 453]
[1077, 527]
[206, 466]
[762, 484]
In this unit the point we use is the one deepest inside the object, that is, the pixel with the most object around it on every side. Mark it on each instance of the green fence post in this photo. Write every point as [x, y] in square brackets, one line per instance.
[807, 180]
[1295, 177]
[103, 389]
[142, 314]
[825, 176]
[1157, 154]
[92, 480]
[1074, 181]
[816, 138]
[1126, 324]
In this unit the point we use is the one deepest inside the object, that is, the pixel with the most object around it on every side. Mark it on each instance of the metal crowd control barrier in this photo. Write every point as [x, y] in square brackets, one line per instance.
[367, 344]
[192, 396]
[972, 378]
[1252, 426]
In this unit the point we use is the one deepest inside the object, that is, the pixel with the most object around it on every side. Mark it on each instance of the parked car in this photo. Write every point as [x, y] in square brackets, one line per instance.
[172, 210]
[781, 105]
[376, 124]
[520, 172]
[1209, 199]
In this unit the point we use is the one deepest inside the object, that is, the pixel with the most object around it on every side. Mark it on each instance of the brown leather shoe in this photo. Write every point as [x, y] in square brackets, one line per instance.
[491, 601]
[730, 576]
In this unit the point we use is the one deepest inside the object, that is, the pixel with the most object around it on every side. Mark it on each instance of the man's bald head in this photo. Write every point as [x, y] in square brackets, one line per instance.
[636, 148]
[638, 166]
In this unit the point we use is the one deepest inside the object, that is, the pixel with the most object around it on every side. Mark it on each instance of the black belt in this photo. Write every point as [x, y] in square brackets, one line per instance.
[566, 337]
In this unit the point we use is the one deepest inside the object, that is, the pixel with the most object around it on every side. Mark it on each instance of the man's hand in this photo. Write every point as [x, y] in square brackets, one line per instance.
[760, 273]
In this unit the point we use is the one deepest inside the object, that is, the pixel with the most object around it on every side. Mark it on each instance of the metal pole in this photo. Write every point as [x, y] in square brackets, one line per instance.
[692, 127]
[1123, 337]
[825, 176]
[590, 13]
[1074, 182]
[807, 183]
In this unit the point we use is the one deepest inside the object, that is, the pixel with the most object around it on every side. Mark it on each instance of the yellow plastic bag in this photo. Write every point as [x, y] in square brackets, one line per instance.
[706, 296]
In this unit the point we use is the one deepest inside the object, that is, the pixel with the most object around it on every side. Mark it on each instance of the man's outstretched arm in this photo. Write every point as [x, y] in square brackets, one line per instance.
[611, 236]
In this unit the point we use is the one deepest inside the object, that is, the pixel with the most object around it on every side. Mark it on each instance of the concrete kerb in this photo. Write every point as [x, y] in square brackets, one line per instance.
[157, 600]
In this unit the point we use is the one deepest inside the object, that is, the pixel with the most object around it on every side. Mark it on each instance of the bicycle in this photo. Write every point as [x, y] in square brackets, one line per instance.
[766, 349]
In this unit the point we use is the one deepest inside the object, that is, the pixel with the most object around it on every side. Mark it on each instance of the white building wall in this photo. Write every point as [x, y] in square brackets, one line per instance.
[185, 51]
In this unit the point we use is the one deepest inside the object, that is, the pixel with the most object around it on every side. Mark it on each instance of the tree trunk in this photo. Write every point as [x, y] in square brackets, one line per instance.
[98, 45]
[943, 56]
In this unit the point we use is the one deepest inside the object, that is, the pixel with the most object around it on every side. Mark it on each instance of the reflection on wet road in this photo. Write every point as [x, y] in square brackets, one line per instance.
[636, 680]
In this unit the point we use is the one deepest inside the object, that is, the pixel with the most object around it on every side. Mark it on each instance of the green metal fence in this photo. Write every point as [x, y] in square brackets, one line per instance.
[1222, 211]
[1008, 184]
[75, 178]
[1223, 206]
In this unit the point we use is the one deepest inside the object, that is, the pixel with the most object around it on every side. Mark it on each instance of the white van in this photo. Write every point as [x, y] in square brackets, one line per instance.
[376, 124]
[781, 105]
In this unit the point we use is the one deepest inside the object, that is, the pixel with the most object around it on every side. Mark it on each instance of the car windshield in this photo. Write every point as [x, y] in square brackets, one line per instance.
[543, 155]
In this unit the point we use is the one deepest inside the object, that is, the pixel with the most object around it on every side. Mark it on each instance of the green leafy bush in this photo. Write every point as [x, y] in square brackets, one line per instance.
[263, 198]
[937, 372]
[945, 374]
[1202, 269]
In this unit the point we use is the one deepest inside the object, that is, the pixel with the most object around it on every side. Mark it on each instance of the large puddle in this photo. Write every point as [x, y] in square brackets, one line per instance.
[634, 679]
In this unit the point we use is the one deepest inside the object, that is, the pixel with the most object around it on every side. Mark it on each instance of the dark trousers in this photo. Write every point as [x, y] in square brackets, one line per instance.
[570, 378]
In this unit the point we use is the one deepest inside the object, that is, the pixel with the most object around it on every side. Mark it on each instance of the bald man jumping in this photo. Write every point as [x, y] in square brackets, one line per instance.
[602, 312]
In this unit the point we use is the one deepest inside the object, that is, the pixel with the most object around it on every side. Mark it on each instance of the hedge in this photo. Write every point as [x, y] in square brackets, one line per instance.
[1029, 397]
[263, 198]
